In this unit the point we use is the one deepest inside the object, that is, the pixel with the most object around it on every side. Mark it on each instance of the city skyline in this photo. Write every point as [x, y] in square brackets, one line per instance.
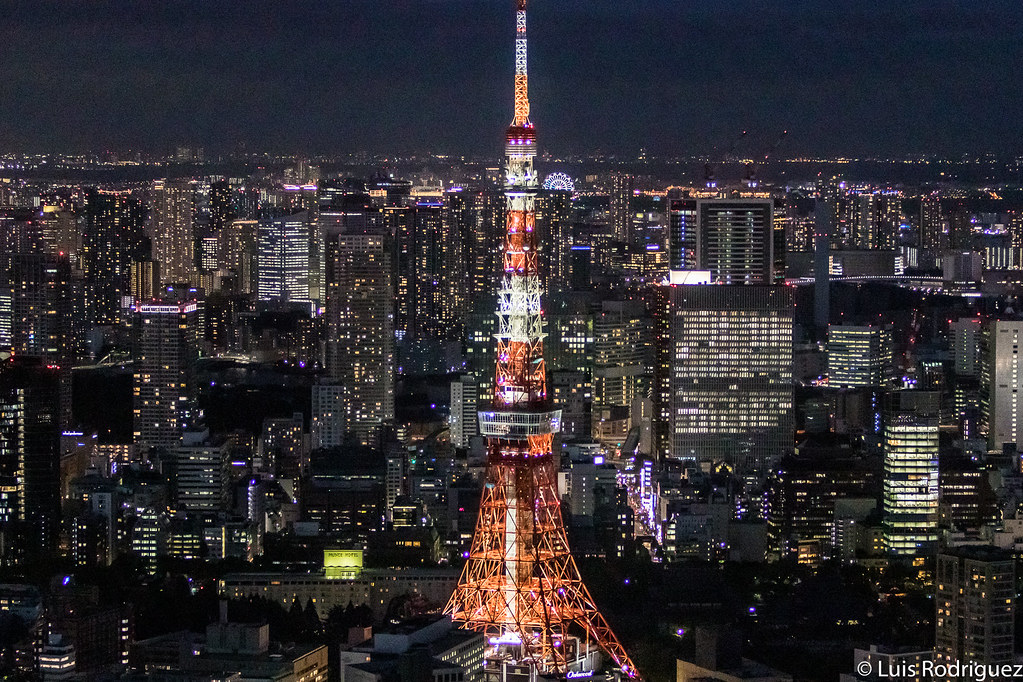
[652, 417]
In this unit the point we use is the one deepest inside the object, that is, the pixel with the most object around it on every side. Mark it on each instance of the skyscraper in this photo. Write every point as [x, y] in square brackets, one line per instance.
[554, 222]
[360, 325]
[42, 306]
[113, 239]
[171, 229]
[622, 185]
[735, 240]
[238, 252]
[864, 223]
[30, 450]
[35, 290]
[682, 229]
[1001, 382]
[222, 210]
[435, 271]
[933, 226]
[166, 348]
[966, 333]
[732, 238]
[731, 375]
[283, 263]
[911, 473]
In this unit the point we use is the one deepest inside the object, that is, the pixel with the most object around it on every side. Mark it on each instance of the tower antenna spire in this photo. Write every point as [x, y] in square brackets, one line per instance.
[521, 68]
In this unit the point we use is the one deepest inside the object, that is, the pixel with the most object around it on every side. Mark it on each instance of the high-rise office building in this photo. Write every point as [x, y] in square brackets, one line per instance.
[933, 226]
[735, 240]
[113, 240]
[360, 324]
[966, 333]
[732, 238]
[911, 473]
[975, 600]
[283, 263]
[166, 349]
[731, 375]
[860, 356]
[682, 228]
[171, 229]
[1001, 382]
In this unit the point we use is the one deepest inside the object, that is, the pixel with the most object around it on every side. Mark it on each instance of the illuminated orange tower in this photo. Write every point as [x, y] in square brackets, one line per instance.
[520, 584]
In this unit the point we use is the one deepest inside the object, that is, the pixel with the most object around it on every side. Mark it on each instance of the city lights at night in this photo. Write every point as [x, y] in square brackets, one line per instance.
[511, 341]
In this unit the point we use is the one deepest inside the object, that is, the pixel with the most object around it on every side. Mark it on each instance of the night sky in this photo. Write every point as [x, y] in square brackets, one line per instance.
[847, 77]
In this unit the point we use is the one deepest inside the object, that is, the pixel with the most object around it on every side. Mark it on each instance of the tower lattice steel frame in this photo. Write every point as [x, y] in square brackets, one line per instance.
[520, 583]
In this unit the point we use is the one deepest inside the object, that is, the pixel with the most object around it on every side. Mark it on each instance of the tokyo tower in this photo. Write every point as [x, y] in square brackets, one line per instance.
[520, 585]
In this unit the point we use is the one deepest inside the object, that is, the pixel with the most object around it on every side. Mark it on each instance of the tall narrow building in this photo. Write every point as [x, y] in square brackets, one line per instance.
[622, 185]
[554, 224]
[166, 349]
[283, 263]
[1001, 382]
[360, 327]
[911, 474]
[29, 457]
[113, 239]
[171, 229]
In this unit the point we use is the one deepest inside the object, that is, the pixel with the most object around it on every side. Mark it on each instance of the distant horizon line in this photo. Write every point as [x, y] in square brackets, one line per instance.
[137, 156]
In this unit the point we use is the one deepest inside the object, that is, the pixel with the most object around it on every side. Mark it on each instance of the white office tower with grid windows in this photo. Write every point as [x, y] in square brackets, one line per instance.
[731, 376]
[911, 473]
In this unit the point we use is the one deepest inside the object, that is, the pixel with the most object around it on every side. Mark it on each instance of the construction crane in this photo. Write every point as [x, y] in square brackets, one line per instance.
[750, 180]
[708, 168]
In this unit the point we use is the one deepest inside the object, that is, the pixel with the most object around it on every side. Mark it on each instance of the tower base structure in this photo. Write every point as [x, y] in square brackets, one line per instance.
[504, 663]
[520, 586]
